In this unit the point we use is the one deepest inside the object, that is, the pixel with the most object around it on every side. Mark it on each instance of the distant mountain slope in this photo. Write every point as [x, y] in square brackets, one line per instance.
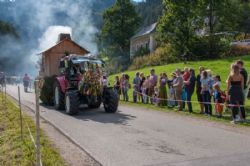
[149, 11]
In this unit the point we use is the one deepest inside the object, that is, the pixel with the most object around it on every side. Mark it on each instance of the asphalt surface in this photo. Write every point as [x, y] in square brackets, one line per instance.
[136, 136]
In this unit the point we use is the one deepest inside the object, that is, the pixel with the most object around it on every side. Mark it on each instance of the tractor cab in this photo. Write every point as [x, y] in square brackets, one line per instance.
[75, 68]
[74, 65]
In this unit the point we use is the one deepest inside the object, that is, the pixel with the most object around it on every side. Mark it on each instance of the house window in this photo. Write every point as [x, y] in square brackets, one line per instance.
[147, 45]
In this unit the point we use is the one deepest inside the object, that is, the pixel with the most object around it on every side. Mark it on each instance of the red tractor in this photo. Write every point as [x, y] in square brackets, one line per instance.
[83, 81]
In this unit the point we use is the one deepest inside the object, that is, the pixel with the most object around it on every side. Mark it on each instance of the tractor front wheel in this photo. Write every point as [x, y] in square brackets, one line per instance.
[71, 102]
[110, 100]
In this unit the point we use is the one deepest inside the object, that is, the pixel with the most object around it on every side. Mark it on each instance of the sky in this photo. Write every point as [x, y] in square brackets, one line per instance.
[139, 0]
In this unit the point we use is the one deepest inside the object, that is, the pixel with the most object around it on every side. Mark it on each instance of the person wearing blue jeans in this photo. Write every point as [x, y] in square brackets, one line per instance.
[206, 96]
[189, 89]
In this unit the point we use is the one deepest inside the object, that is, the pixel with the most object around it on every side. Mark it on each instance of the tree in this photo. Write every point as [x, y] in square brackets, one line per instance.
[7, 29]
[244, 21]
[120, 23]
[178, 24]
[149, 11]
[218, 16]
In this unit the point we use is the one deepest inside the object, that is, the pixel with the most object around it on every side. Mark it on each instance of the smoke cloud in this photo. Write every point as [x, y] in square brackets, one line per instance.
[39, 23]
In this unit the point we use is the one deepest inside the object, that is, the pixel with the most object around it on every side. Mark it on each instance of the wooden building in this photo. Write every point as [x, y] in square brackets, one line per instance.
[51, 58]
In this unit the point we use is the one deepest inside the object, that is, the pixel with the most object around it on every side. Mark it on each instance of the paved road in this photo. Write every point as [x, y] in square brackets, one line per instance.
[136, 136]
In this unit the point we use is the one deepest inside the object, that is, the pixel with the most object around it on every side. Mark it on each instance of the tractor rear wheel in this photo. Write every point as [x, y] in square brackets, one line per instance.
[58, 97]
[110, 100]
[71, 102]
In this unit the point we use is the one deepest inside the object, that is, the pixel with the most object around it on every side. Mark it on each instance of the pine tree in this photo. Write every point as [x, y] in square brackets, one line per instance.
[120, 23]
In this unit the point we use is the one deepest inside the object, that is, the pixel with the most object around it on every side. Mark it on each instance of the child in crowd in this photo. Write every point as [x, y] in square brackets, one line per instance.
[217, 80]
[219, 99]
[156, 96]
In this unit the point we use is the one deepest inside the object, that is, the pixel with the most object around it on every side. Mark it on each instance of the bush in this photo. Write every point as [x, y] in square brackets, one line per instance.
[201, 48]
[162, 55]
[239, 50]
[47, 91]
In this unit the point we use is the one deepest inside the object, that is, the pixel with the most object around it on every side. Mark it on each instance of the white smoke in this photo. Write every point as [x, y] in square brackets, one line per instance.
[79, 19]
[50, 36]
[45, 19]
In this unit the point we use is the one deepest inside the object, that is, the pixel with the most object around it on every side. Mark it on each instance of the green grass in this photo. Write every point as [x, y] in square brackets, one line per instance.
[220, 67]
[14, 150]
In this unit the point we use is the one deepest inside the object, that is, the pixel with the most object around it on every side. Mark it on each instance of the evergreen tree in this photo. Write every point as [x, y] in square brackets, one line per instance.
[120, 23]
[244, 20]
[6, 28]
[149, 11]
[218, 16]
[178, 24]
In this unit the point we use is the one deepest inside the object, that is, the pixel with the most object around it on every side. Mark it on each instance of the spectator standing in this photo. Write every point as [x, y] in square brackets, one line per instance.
[243, 72]
[189, 89]
[26, 82]
[178, 85]
[186, 74]
[117, 85]
[122, 84]
[206, 97]
[156, 96]
[125, 87]
[198, 88]
[136, 85]
[163, 90]
[235, 86]
[152, 84]
[210, 83]
[142, 80]
[145, 89]
[171, 92]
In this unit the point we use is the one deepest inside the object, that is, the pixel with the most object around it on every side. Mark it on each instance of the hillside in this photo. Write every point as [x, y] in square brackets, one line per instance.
[220, 67]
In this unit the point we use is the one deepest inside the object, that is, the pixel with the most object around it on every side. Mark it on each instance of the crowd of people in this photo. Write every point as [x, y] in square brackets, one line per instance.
[177, 91]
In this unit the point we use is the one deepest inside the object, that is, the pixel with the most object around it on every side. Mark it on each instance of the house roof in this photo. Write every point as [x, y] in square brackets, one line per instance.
[61, 43]
[145, 30]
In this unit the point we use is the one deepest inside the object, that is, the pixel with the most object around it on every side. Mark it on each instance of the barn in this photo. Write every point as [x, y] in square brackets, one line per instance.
[50, 60]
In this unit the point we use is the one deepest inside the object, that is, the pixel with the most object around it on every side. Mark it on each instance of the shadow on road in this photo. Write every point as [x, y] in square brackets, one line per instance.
[98, 115]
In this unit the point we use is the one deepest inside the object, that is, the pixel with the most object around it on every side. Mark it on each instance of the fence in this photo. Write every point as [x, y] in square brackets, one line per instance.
[23, 122]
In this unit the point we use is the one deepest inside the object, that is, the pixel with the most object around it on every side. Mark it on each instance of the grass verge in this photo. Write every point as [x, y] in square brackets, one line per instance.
[14, 150]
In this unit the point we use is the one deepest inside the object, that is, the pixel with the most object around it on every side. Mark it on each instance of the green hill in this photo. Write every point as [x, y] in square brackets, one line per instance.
[220, 67]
